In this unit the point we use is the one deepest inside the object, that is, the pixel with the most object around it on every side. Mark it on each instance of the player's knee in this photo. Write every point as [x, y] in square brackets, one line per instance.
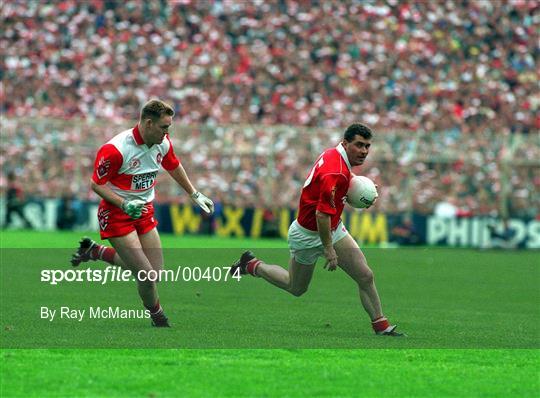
[157, 274]
[366, 278]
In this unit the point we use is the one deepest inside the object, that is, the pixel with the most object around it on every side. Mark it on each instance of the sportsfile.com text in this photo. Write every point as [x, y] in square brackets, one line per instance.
[115, 274]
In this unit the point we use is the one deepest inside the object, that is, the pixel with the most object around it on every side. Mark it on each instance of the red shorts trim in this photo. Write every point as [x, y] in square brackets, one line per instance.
[113, 222]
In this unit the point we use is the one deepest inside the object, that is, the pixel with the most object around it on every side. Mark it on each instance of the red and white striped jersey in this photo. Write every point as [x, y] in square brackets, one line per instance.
[129, 167]
[325, 188]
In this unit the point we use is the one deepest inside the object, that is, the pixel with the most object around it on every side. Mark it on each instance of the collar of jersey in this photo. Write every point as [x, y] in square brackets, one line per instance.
[343, 154]
[137, 135]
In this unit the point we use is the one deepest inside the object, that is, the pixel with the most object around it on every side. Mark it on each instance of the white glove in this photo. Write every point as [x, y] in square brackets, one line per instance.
[203, 202]
[133, 208]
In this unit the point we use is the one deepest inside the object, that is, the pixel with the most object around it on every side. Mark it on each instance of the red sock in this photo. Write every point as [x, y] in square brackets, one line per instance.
[154, 309]
[104, 253]
[252, 266]
[380, 324]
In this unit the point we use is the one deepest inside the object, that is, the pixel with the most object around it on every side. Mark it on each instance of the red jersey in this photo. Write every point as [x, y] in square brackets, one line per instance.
[130, 167]
[325, 188]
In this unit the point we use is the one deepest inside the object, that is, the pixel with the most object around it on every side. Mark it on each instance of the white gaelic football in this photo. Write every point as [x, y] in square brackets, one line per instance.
[362, 192]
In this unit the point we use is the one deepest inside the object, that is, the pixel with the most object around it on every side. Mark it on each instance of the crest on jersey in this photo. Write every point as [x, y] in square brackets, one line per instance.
[134, 163]
[103, 167]
[159, 158]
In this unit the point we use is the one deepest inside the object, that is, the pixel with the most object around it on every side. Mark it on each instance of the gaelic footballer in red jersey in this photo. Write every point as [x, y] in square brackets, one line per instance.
[318, 230]
[124, 176]
[325, 188]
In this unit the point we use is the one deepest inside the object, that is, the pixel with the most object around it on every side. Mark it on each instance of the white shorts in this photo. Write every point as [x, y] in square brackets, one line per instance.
[306, 246]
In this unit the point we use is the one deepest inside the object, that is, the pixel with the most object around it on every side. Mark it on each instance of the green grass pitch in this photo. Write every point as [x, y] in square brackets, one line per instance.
[472, 319]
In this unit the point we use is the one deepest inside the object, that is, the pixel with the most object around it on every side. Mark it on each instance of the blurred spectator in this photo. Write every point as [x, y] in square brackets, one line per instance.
[67, 212]
[404, 233]
[270, 227]
[15, 202]
[501, 236]
[207, 223]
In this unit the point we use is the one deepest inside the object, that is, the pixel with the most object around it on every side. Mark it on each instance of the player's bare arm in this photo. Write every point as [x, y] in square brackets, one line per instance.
[323, 226]
[181, 177]
[107, 193]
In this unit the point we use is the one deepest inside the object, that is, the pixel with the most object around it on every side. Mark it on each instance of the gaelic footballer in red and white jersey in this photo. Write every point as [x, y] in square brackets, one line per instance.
[326, 188]
[124, 176]
[129, 167]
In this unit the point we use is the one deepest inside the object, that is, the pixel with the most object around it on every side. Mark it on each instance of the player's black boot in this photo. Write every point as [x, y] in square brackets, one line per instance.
[160, 320]
[391, 331]
[241, 264]
[83, 252]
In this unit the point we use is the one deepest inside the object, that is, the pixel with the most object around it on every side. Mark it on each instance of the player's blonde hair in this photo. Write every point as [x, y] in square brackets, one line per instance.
[155, 109]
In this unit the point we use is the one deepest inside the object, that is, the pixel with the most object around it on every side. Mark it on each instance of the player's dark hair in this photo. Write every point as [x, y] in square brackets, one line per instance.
[155, 109]
[357, 129]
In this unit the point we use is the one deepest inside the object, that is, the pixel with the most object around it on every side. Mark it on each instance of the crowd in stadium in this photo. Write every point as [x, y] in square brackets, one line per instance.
[254, 166]
[446, 86]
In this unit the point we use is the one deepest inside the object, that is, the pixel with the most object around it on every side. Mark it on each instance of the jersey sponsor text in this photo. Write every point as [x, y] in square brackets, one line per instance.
[143, 181]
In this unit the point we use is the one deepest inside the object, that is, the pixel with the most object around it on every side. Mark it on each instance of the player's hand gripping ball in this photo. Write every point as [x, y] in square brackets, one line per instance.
[362, 192]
